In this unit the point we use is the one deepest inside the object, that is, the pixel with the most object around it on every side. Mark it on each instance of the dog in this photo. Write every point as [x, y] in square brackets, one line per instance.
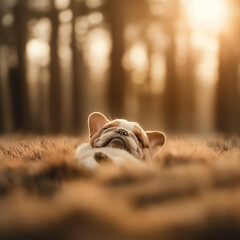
[117, 141]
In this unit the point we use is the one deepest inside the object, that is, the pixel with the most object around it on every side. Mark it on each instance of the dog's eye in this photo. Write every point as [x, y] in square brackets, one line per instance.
[105, 128]
[139, 139]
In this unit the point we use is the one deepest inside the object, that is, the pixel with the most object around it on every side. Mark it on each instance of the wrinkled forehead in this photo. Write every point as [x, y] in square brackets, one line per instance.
[130, 126]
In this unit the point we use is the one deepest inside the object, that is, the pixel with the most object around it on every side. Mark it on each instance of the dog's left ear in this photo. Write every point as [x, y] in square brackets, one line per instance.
[156, 139]
[95, 122]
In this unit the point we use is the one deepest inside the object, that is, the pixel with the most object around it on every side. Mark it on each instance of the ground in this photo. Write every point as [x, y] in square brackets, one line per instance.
[191, 191]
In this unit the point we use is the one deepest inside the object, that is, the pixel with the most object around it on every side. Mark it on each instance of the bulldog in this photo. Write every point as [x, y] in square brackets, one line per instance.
[116, 142]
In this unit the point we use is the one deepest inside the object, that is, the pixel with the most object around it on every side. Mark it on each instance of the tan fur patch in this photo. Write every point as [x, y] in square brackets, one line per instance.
[114, 123]
[141, 135]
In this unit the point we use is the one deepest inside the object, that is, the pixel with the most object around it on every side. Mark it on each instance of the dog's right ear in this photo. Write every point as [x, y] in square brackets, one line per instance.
[156, 139]
[95, 122]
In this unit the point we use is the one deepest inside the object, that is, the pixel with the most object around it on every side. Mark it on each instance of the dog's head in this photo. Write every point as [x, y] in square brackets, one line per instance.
[123, 134]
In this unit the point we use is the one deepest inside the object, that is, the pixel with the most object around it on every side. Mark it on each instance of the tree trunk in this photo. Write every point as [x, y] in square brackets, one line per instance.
[117, 81]
[228, 109]
[171, 97]
[1, 100]
[187, 90]
[55, 83]
[1, 89]
[79, 83]
[18, 82]
[228, 93]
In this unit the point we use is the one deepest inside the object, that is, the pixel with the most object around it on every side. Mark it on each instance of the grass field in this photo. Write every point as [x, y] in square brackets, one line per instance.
[191, 191]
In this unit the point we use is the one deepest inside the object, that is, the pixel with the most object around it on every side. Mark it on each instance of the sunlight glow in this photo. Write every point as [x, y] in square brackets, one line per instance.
[84, 23]
[161, 7]
[61, 4]
[208, 14]
[40, 28]
[94, 3]
[136, 61]
[97, 52]
[206, 69]
[65, 32]
[65, 53]
[156, 32]
[95, 18]
[65, 16]
[81, 25]
[39, 5]
[136, 57]
[158, 73]
[38, 52]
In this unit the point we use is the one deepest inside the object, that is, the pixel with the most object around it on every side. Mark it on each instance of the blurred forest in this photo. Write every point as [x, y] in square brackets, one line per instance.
[168, 64]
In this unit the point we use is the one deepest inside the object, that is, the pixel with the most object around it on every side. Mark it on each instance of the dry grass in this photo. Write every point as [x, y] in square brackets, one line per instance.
[192, 191]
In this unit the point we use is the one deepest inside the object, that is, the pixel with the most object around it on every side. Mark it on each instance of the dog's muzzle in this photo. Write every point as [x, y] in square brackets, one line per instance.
[118, 140]
[117, 143]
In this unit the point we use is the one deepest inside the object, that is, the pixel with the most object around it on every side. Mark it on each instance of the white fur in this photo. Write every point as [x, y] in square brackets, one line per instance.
[85, 155]
[127, 125]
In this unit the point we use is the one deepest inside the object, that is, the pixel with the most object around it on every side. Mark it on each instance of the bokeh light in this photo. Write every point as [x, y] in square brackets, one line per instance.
[208, 14]
[7, 20]
[38, 51]
[61, 4]
[97, 51]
